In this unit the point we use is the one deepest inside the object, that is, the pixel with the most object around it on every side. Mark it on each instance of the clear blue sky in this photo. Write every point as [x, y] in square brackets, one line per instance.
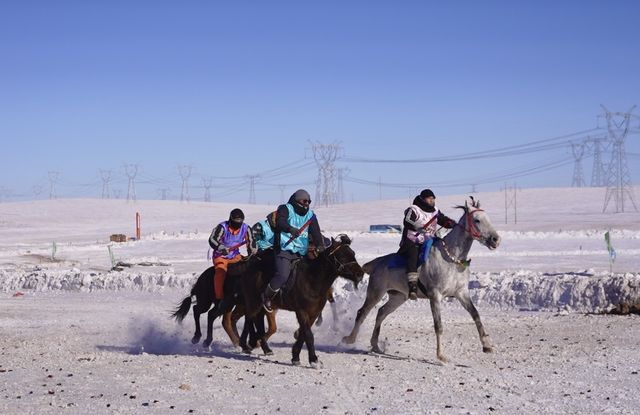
[236, 88]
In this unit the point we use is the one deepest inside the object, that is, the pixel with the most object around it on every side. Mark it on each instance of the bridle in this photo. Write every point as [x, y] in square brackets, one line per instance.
[336, 262]
[471, 228]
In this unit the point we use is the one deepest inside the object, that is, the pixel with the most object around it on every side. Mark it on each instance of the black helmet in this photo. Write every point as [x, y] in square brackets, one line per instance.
[236, 217]
[427, 193]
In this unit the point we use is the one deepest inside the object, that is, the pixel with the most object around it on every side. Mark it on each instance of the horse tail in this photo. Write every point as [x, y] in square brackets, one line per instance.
[182, 310]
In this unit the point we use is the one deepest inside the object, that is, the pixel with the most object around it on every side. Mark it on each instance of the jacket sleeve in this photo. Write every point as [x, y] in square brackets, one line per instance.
[445, 221]
[282, 220]
[314, 231]
[216, 237]
[251, 242]
[410, 219]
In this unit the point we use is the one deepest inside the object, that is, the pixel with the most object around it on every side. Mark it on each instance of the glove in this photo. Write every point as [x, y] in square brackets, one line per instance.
[223, 250]
[320, 248]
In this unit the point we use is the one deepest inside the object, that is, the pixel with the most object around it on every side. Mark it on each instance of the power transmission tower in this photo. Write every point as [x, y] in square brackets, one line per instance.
[207, 182]
[343, 171]
[282, 187]
[117, 193]
[37, 190]
[185, 173]
[252, 187]
[618, 176]
[598, 171]
[578, 176]
[163, 192]
[510, 200]
[53, 180]
[325, 156]
[106, 178]
[131, 170]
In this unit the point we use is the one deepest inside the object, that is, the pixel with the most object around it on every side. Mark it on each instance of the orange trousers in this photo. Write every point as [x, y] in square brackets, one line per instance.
[220, 264]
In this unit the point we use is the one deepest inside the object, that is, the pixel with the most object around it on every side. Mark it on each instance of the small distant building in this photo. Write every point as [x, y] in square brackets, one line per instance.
[385, 228]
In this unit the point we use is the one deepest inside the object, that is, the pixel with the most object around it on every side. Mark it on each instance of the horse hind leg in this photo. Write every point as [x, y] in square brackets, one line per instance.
[198, 309]
[466, 302]
[396, 299]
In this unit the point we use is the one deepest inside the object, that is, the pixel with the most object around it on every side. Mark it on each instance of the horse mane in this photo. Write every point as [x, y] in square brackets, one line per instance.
[474, 204]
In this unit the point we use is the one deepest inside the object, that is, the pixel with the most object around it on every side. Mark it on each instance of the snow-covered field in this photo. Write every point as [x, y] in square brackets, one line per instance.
[85, 338]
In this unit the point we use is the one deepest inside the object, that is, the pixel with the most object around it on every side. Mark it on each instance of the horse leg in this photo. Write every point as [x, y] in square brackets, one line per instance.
[373, 297]
[437, 326]
[198, 309]
[247, 330]
[271, 323]
[258, 321]
[302, 332]
[211, 316]
[466, 302]
[396, 299]
[229, 327]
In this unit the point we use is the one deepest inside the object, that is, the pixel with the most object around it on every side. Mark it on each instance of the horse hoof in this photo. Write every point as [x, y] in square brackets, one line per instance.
[443, 359]
[195, 339]
[348, 340]
[487, 349]
[295, 362]
[207, 343]
[316, 365]
[246, 350]
[268, 352]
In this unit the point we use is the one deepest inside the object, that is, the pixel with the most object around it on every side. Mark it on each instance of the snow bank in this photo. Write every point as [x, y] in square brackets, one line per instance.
[585, 291]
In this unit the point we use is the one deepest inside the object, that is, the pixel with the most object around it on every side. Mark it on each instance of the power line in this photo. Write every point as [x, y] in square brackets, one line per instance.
[532, 147]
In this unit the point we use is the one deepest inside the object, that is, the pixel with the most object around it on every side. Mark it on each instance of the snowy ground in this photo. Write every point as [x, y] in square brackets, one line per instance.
[85, 338]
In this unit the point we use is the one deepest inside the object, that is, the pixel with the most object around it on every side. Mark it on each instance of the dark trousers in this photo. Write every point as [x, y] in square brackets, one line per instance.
[410, 251]
[283, 261]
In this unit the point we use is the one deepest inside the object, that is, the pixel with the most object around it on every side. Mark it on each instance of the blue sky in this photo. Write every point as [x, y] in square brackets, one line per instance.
[241, 88]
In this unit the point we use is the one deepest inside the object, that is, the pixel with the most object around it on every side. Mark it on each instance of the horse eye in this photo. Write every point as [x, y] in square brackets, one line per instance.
[476, 221]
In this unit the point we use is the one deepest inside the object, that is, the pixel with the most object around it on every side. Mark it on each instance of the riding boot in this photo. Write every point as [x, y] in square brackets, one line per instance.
[267, 296]
[413, 285]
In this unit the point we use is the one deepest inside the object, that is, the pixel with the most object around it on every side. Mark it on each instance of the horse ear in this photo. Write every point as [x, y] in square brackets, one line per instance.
[344, 239]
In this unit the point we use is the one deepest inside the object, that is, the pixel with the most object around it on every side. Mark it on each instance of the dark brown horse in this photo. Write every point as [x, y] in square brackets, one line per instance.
[306, 295]
[203, 292]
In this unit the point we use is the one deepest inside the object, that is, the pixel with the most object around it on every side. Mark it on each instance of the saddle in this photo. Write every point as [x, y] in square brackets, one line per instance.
[400, 261]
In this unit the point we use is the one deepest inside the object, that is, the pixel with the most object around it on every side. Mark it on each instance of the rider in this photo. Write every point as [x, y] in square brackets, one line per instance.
[263, 234]
[226, 240]
[295, 224]
[419, 227]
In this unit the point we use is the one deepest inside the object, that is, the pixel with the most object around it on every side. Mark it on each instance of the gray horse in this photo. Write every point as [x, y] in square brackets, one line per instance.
[446, 274]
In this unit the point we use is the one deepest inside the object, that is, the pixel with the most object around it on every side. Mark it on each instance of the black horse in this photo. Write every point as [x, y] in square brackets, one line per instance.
[203, 292]
[306, 295]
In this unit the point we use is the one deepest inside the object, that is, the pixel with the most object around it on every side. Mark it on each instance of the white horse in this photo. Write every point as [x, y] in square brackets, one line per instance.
[446, 274]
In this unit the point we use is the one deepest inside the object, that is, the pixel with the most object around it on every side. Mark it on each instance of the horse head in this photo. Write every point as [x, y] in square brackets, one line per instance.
[477, 224]
[344, 259]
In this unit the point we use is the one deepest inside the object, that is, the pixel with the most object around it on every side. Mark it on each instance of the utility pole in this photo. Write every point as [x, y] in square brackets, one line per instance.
[185, 173]
[618, 176]
[131, 170]
[53, 180]
[325, 156]
[106, 178]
